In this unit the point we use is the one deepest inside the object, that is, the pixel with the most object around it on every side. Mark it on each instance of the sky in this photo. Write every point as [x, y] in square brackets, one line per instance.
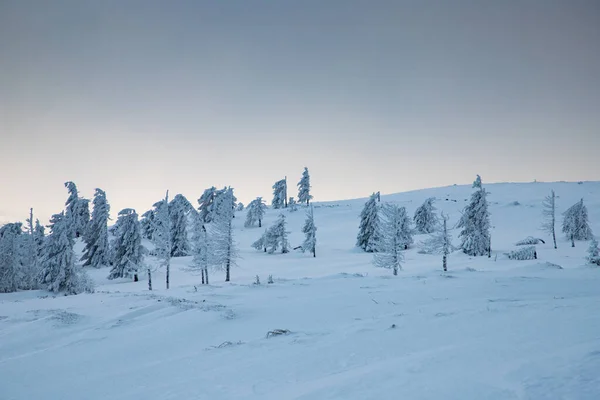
[140, 96]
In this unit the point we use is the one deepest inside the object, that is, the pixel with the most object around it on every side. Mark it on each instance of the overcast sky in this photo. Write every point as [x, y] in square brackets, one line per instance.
[137, 97]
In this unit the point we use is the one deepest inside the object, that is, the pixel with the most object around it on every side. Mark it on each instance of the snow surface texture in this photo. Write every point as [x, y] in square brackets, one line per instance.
[490, 328]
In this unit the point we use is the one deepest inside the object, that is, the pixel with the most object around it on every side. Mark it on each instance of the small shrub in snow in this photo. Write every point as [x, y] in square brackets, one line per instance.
[593, 256]
[270, 280]
[278, 332]
[257, 280]
[529, 240]
[526, 253]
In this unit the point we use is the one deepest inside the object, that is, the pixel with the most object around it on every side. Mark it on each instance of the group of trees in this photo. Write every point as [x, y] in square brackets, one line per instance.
[280, 199]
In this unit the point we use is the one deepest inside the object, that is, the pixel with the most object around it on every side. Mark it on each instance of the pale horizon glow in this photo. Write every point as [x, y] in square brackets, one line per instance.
[138, 97]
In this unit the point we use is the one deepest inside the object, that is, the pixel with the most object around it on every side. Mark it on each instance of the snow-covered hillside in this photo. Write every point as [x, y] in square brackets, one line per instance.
[489, 328]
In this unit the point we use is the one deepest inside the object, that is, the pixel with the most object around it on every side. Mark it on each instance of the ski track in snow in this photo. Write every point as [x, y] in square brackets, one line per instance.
[490, 328]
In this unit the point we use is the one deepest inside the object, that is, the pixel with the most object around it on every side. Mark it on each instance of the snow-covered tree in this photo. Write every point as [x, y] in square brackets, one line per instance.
[475, 224]
[524, 253]
[255, 212]
[239, 207]
[96, 253]
[200, 249]
[127, 247]
[279, 194]
[222, 244]
[224, 203]
[549, 214]
[58, 270]
[391, 241]
[368, 228]
[38, 238]
[304, 195]
[293, 206]
[575, 223]
[179, 209]
[205, 202]
[71, 203]
[11, 271]
[277, 237]
[162, 236]
[261, 243]
[477, 183]
[425, 218]
[439, 243]
[593, 256]
[147, 224]
[407, 231]
[310, 233]
[82, 217]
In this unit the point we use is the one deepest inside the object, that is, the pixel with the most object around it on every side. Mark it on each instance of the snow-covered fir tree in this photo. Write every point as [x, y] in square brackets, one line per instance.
[162, 237]
[368, 228]
[593, 256]
[206, 204]
[310, 233]
[549, 214]
[224, 203]
[279, 194]
[179, 209]
[425, 218]
[96, 253]
[11, 271]
[277, 236]
[292, 205]
[255, 212]
[147, 224]
[200, 248]
[127, 247]
[475, 224]
[39, 235]
[58, 270]
[304, 195]
[439, 243]
[477, 183]
[407, 231]
[28, 279]
[239, 207]
[223, 248]
[261, 243]
[575, 223]
[82, 217]
[391, 241]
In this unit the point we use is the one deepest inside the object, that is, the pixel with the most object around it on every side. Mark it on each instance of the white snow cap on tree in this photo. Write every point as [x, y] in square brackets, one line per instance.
[310, 233]
[475, 224]
[279, 194]
[127, 246]
[593, 256]
[179, 209]
[391, 240]
[426, 221]
[58, 270]
[96, 253]
[255, 212]
[575, 223]
[369, 221]
[304, 195]
[10, 257]
[276, 237]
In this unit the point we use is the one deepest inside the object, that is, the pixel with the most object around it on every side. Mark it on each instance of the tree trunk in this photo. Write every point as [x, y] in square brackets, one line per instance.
[572, 241]
[202, 272]
[227, 271]
[149, 280]
[395, 270]
[444, 262]
[206, 275]
[554, 238]
[259, 223]
[168, 272]
[135, 278]
[314, 252]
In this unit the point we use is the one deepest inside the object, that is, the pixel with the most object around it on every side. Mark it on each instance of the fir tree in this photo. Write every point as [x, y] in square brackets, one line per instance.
[200, 249]
[279, 194]
[261, 243]
[147, 224]
[71, 205]
[426, 221]
[549, 213]
[255, 212]
[304, 195]
[96, 253]
[310, 230]
[222, 244]
[58, 271]
[30, 256]
[277, 237]
[575, 223]
[293, 206]
[127, 246]
[477, 183]
[406, 237]
[391, 241]
[11, 271]
[593, 256]
[206, 204]
[179, 209]
[162, 236]
[369, 222]
[82, 217]
[475, 224]
[239, 207]
[439, 243]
